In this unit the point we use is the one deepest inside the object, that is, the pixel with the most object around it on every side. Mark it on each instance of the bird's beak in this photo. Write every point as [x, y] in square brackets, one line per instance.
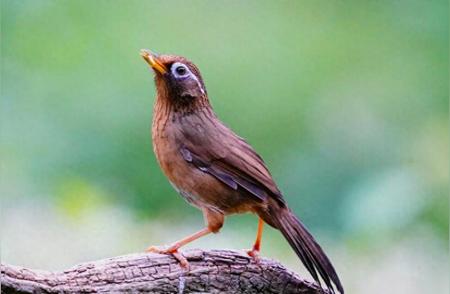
[152, 59]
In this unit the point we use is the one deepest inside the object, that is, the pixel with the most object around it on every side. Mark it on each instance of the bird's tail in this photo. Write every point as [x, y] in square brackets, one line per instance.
[305, 246]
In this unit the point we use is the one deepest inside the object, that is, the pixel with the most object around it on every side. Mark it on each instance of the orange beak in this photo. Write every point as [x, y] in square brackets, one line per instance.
[152, 60]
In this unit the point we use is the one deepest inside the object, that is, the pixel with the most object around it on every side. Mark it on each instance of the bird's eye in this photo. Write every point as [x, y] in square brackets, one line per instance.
[181, 70]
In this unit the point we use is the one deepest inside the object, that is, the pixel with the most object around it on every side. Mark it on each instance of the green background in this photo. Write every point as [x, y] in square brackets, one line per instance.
[346, 101]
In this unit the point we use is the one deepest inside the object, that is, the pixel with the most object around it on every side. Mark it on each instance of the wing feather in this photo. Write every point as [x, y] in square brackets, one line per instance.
[227, 157]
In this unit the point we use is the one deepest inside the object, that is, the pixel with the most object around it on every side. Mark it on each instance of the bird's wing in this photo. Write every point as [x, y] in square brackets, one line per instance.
[231, 160]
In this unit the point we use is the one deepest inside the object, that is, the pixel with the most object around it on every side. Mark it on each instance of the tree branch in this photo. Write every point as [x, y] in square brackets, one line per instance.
[216, 271]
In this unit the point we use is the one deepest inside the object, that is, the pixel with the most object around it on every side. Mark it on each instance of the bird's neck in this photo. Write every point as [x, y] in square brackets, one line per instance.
[181, 105]
[167, 114]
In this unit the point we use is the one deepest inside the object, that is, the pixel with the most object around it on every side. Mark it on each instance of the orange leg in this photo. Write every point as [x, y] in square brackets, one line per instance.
[257, 246]
[173, 249]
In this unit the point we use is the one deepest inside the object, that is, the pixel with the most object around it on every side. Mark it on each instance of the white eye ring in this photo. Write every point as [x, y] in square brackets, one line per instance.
[180, 70]
[177, 71]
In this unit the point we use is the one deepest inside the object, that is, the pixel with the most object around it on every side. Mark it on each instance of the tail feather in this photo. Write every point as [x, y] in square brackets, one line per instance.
[307, 249]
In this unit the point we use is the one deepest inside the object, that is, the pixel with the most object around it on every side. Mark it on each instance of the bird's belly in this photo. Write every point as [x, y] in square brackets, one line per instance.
[197, 187]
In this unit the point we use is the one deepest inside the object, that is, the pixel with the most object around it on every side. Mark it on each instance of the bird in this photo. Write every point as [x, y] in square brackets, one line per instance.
[217, 171]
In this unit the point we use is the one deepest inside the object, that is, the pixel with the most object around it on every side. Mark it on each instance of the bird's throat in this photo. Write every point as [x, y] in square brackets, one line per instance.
[181, 105]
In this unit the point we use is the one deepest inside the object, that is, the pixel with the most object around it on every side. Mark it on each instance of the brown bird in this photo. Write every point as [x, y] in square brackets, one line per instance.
[216, 170]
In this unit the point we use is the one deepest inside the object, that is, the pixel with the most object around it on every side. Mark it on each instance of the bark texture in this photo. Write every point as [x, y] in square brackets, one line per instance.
[216, 271]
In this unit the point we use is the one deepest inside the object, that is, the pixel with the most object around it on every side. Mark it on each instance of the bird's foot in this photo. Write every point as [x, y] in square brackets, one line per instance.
[255, 254]
[170, 250]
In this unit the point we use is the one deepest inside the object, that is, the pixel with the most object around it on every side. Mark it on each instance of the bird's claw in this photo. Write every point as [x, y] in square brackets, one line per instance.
[161, 249]
[170, 250]
[255, 254]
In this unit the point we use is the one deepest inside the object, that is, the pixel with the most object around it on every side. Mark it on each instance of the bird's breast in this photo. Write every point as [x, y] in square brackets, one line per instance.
[170, 134]
[197, 187]
[194, 185]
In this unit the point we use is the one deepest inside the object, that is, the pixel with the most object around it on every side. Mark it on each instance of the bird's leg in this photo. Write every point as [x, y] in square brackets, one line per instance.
[254, 252]
[214, 222]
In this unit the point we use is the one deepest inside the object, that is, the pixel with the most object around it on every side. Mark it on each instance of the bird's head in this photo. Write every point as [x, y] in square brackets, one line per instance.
[177, 79]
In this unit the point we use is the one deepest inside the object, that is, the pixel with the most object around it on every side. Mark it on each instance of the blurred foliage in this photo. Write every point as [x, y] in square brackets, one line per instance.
[346, 101]
[76, 196]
